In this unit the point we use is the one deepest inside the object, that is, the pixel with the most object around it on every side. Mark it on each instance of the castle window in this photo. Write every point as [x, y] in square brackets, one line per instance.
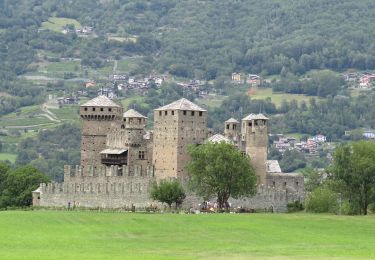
[141, 155]
[234, 127]
[285, 184]
[160, 113]
[85, 108]
[122, 127]
[109, 109]
[250, 124]
[172, 112]
[273, 184]
[184, 112]
[93, 109]
[227, 126]
[101, 109]
[192, 113]
[139, 121]
[296, 183]
[200, 113]
[166, 113]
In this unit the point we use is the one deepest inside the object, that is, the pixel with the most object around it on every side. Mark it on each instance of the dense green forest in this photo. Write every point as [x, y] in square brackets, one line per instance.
[301, 47]
[202, 39]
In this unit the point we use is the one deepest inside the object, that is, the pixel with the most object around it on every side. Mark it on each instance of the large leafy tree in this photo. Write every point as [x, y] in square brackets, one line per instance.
[19, 184]
[168, 192]
[221, 170]
[354, 165]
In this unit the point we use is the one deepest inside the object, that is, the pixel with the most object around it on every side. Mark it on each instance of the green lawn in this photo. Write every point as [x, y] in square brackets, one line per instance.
[57, 23]
[8, 156]
[277, 98]
[94, 235]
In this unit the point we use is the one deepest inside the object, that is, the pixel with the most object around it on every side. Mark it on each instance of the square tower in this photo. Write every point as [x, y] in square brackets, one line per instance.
[254, 135]
[176, 126]
[98, 116]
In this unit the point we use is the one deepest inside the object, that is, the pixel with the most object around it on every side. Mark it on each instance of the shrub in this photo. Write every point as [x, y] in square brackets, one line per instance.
[295, 206]
[322, 200]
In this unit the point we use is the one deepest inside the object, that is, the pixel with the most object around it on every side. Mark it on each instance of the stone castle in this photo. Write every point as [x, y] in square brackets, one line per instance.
[120, 159]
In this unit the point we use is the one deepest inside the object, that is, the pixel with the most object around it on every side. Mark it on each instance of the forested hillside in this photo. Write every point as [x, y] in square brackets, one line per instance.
[201, 39]
[297, 47]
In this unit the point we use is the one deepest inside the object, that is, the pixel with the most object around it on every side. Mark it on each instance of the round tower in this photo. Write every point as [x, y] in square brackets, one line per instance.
[98, 117]
[133, 126]
[232, 130]
[254, 133]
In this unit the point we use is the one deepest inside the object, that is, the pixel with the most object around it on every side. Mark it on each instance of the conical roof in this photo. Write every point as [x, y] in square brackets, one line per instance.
[182, 104]
[133, 113]
[100, 101]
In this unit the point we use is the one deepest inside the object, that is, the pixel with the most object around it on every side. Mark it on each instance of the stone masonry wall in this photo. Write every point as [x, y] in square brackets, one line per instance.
[106, 190]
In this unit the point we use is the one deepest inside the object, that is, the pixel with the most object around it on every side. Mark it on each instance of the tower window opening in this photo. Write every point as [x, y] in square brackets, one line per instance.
[227, 126]
[172, 112]
[110, 109]
[184, 112]
[160, 113]
[200, 113]
[85, 108]
[166, 113]
[141, 155]
[234, 127]
[93, 109]
[192, 113]
[101, 109]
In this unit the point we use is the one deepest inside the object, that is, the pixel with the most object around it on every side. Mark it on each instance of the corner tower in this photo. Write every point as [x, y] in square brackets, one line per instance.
[176, 126]
[254, 133]
[98, 116]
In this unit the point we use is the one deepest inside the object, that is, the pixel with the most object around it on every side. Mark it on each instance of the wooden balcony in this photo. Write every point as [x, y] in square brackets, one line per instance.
[115, 161]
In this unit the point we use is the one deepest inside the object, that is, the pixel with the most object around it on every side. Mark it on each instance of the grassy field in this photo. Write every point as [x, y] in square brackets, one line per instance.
[127, 64]
[8, 156]
[57, 23]
[277, 98]
[94, 235]
[212, 100]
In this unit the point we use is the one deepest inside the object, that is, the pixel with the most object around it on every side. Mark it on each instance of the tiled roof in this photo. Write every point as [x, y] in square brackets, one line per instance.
[100, 101]
[231, 120]
[133, 113]
[182, 104]
[255, 116]
[218, 138]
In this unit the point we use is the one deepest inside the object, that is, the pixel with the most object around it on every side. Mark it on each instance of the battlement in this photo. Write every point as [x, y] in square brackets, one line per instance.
[102, 172]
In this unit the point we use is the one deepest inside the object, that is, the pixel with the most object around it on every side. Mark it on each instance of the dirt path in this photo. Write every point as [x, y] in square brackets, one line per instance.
[51, 116]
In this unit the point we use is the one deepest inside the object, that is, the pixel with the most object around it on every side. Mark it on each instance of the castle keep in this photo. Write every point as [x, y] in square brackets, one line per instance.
[120, 158]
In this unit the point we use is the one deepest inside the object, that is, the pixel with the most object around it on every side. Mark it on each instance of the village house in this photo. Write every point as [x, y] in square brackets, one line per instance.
[236, 78]
[254, 80]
